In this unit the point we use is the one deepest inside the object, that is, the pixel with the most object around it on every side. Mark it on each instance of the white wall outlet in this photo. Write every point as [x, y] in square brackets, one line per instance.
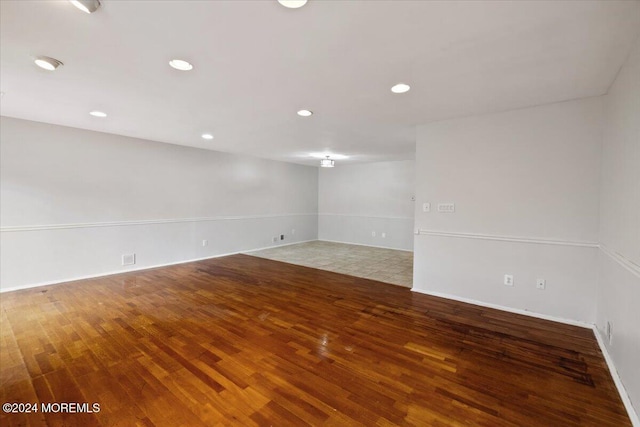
[609, 332]
[274, 239]
[373, 234]
[293, 231]
[426, 207]
[541, 284]
[383, 235]
[446, 207]
[508, 279]
[205, 242]
[128, 259]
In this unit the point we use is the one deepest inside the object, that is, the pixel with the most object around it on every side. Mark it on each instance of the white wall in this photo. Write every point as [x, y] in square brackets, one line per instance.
[356, 200]
[74, 201]
[525, 184]
[619, 291]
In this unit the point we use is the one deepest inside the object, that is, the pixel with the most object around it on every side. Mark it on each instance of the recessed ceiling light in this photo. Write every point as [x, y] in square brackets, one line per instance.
[181, 65]
[47, 63]
[400, 88]
[305, 113]
[98, 114]
[88, 6]
[292, 4]
[207, 136]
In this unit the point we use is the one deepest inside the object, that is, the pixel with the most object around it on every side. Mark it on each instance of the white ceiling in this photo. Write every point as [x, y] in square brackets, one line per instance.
[257, 63]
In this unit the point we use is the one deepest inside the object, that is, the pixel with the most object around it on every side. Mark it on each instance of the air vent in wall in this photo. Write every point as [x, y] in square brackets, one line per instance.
[128, 259]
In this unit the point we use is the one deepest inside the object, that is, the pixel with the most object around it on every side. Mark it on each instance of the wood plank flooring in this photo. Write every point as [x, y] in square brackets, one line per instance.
[248, 341]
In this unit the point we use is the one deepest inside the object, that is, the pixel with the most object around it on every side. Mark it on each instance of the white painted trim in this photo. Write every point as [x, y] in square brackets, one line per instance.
[505, 308]
[622, 260]
[143, 222]
[111, 273]
[501, 238]
[633, 415]
[362, 244]
[369, 216]
[607, 357]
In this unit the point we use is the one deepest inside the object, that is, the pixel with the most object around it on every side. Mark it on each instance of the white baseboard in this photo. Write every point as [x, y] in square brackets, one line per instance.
[362, 244]
[111, 273]
[505, 308]
[633, 415]
[603, 348]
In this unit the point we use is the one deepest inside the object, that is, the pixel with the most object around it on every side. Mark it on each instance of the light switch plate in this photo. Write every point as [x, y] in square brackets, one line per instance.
[446, 207]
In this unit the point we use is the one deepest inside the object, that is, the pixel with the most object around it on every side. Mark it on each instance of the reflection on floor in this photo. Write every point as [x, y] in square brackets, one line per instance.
[385, 265]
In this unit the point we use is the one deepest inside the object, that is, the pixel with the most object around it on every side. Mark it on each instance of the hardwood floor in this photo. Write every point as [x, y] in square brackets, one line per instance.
[247, 341]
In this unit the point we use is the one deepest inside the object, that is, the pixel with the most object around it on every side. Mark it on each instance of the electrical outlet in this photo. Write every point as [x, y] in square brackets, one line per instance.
[426, 207]
[282, 237]
[609, 332]
[128, 259]
[541, 284]
[205, 242]
[373, 234]
[508, 280]
[293, 231]
[383, 235]
[274, 239]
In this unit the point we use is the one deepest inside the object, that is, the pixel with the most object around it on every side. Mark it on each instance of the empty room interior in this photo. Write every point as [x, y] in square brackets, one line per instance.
[313, 212]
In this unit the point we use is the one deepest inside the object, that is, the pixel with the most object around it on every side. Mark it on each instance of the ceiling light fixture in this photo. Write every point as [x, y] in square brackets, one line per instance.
[98, 114]
[329, 154]
[305, 113]
[207, 136]
[292, 4]
[47, 63]
[400, 88]
[327, 163]
[88, 6]
[181, 65]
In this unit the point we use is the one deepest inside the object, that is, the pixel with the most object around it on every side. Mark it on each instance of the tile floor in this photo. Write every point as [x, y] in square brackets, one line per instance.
[385, 265]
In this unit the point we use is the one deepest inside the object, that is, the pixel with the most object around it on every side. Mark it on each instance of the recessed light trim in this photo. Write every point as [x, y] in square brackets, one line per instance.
[87, 6]
[400, 88]
[47, 63]
[181, 64]
[305, 113]
[207, 136]
[292, 4]
[98, 114]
